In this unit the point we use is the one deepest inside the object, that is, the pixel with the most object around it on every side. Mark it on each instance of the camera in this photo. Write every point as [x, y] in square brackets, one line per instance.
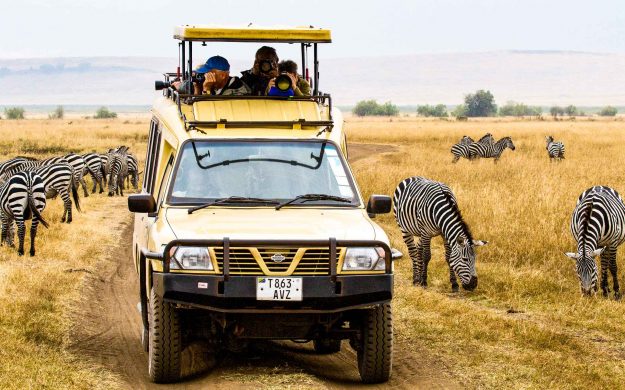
[198, 78]
[266, 66]
[158, 85]
[283, 82]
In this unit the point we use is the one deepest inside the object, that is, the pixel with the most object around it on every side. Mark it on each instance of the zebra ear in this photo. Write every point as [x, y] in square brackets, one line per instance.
[572, 255]
[597, 252]
[479, 242]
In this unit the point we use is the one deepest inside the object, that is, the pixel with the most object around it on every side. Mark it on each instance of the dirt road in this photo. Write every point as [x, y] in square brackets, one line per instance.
[107, 327]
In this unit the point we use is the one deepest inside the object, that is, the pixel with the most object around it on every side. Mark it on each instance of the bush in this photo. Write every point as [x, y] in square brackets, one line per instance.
[480, 104]
[571, 110]
[14, 113]
[439, 111]
[519, 109]
[104, 113]
[608, 111]
[556, 110]
[460, 111]
[59, 113]
[371, 107]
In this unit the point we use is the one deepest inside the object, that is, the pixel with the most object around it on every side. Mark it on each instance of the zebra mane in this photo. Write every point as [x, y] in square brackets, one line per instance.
[487, 135]
[454, 207]
[27, 158]
[585, 221]
[504, 139]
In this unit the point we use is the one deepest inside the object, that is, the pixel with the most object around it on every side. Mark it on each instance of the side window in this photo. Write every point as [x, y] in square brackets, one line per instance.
[154, 143]
[165, 180]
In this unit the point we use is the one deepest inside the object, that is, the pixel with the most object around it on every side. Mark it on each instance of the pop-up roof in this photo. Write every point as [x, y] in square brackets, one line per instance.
[252, 34]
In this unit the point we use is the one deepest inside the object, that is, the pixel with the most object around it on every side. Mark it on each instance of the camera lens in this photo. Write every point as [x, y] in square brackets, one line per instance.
[283, 82]
[266, 66]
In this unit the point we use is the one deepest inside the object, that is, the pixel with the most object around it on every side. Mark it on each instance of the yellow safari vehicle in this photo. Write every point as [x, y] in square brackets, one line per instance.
[250, 225]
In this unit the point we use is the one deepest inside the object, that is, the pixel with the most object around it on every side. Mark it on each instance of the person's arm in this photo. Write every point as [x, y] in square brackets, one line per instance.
[303, 86]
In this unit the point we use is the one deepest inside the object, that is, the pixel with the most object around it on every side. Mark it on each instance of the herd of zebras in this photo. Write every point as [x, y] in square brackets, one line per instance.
[26, 183]
[486, 147]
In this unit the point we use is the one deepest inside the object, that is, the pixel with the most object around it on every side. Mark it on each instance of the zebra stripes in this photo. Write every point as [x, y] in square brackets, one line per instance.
[463, 148]
[426, 209]
[555, 149]
[133, 170]
[491, 150]
[598, 226]
[78, 163]
[22, 197]
[118, 163]
[93, 166]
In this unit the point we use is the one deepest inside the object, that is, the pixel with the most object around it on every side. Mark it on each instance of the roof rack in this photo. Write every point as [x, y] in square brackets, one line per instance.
[252, 33]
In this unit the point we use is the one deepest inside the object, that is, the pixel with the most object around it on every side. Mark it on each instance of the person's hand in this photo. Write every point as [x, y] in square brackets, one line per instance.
[176, 85]
[209, 81]
[293, 81]
[271, 83]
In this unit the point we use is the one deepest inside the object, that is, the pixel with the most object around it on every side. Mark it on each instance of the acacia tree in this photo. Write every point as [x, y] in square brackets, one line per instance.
[480, 103]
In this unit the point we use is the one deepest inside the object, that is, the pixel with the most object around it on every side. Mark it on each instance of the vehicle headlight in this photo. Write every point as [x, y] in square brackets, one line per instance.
[364, 259]
[191, 257]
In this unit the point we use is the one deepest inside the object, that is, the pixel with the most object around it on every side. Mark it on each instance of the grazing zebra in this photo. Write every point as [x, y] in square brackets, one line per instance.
[486, 150]
[58, 178]
[9, 165]
[22, 197]
[598, 226]
[426, 209]
[555, 149]
[133, 170]
[78, 163]
[93, 165]
[118, 171]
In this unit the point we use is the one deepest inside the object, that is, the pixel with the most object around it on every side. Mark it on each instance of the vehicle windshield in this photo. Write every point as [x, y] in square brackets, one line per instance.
[276, 170]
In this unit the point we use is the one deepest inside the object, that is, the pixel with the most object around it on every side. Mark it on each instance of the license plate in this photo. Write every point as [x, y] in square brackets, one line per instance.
[278, 289]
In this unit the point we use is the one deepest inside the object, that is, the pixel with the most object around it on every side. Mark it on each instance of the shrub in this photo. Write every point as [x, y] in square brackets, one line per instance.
[608, 111]
[439, 111]
[460, 111]
[570, 110]
[14, 113]
[556, 110]
[371, 107]
[480, 104]
[59, 113]
[104, 113]
[519, 109]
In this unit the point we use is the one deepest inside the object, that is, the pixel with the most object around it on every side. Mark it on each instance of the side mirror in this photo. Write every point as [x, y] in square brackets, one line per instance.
[141, 203]
[379, 204]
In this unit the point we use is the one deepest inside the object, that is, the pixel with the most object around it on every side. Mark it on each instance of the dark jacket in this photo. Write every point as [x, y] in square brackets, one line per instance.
[257, 84]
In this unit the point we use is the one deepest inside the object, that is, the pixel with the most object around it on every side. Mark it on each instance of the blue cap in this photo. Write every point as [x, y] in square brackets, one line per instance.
[215, 62]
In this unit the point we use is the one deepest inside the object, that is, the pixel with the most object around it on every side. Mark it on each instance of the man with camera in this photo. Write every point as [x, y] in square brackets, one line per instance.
[265, 68]
[213, 78]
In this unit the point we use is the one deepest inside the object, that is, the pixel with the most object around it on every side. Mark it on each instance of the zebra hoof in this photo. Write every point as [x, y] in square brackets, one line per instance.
[32, 253]
[20, 253]
[455, 289]
[617, 296]
[111, 194]
[86, 194]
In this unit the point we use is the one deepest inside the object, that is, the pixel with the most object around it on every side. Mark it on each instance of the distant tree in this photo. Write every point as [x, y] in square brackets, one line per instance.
[519, 109]
[439, 111]
[14, 113]
[570, 110]
[59, 113]
[104, 113]
[608, 111]
[461, 110]
[556, 110]
[371, 108]
[480, 104]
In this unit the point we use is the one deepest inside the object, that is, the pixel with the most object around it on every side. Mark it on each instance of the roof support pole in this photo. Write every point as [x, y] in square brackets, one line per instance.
[316, 70]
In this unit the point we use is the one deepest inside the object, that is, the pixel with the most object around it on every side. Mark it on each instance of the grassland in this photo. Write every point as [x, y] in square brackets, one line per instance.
[526, 325]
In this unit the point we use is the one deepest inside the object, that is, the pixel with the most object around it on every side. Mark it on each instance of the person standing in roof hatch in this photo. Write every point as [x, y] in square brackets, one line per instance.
[265, 68]
[217, 79]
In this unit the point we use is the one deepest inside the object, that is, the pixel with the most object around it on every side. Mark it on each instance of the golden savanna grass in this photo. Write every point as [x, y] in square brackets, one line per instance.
[526, 325]
[38, 293]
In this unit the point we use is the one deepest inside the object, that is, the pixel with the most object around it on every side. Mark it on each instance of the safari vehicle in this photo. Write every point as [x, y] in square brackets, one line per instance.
[250, 225]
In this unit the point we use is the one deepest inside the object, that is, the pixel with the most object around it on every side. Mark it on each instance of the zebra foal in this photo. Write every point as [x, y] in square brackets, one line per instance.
[598, 226]
[425, 208]
[22, 197]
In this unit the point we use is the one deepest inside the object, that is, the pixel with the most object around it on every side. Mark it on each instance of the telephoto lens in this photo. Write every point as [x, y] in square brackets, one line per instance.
[283, 82]
[158, 85]
[266, 66]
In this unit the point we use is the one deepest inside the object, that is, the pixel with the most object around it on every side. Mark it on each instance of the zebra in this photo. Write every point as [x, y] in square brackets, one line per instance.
[598, 226]
[133, 170]
[463, 148]
[58, 178]
[426, 209]
[118, 172]
[486, 150]
[78, 163]
[9, 165]
[22, 197]
[555, 149]
[93, 166]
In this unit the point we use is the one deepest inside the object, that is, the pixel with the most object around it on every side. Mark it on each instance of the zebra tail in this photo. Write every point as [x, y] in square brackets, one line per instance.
[75, 196]
[36, 213]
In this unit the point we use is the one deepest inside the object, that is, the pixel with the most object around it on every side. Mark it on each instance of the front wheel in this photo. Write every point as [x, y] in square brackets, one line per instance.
[375, 352]
[164, 341]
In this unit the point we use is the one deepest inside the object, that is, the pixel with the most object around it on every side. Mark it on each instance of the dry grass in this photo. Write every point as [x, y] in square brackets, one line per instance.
[36, 292]
[522, 206]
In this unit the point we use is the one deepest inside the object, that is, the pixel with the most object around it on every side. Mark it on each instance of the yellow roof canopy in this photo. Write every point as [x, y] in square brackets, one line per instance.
[252, 34]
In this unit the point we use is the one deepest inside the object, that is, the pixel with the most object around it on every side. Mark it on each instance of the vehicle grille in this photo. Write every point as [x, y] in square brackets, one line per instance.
[297, 261]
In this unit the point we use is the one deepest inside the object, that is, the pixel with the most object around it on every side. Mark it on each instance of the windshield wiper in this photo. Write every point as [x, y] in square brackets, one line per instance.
[310, 197]
[231, 199]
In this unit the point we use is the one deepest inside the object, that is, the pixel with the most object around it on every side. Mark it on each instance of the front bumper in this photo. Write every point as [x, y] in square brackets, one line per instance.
[237, 294]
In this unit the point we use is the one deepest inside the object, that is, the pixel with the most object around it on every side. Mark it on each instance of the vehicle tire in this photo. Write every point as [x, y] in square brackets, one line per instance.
[165, 342]
[326, 346]
[375, 355]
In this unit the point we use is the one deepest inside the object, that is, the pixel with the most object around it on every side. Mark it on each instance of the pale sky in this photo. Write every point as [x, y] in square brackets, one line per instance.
[76, 28]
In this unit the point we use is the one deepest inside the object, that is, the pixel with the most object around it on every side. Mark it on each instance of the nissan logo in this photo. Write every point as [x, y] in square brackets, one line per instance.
[278, 258]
